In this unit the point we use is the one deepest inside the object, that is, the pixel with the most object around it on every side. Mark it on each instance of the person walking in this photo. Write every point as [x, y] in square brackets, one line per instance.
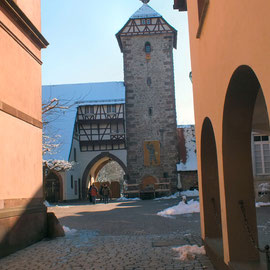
[93, 193]
[89, 194]
[106, 192]
[101, 193]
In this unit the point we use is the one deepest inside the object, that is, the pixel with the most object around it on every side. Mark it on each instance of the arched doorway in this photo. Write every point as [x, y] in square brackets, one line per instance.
[211, 215]
[239, 218]
[93, 169]
[53, 187]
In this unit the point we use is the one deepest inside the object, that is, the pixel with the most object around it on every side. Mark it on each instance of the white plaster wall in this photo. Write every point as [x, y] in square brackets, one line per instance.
[83, 159]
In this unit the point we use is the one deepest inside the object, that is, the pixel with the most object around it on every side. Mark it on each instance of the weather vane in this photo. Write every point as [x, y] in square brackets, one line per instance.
[145, 1]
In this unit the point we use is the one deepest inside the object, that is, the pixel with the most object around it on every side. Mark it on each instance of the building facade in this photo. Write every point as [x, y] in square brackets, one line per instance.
[90, 132]
[22, 213]
[232, 100]
[147, 43]
[187, 167]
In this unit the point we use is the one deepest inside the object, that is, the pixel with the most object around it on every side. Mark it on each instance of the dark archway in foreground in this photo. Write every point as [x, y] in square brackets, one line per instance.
[238, 120]
[210, 183]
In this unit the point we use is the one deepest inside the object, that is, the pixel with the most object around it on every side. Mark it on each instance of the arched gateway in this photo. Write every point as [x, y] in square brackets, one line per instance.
[95, 165]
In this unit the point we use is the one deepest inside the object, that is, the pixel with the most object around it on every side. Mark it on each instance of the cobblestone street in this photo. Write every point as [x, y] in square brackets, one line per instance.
[119, 235]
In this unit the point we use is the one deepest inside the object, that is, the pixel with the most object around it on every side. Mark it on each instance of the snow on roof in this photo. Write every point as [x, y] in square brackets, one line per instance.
[145, 11]
[61, 123]
[187, 148]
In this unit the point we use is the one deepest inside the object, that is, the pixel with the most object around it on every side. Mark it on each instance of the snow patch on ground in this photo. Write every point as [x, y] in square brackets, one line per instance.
[189, 252]
[187, 193]
[259, 204]
[68, 231]
[174, 196]
[127, 199]
[181, 208]
[47, 204]
[78, 238]
[190, 193]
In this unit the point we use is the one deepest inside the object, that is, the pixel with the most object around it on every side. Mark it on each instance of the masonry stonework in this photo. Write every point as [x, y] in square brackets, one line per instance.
[150, 104]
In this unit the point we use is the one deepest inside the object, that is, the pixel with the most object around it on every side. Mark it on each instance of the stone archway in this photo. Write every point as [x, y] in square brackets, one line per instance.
[238, 187]
[97, 164]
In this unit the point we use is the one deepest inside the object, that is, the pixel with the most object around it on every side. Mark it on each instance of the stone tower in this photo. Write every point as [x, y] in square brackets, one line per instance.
[147, 43]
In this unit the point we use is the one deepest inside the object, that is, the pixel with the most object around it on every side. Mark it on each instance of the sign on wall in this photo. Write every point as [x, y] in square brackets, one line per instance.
[151, 153]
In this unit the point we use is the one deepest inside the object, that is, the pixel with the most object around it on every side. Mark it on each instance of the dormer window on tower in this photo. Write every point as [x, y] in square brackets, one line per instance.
[146, 21]
[147, 47]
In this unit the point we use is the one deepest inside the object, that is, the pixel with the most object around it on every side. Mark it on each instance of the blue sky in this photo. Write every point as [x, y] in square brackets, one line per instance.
[83, 47]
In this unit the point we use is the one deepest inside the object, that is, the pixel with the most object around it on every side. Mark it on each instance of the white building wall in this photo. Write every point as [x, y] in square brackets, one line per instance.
[82, 160]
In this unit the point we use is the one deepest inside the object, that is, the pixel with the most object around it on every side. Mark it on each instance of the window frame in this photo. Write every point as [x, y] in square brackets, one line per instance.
[71, 181]
[146, 46]
[260, 142]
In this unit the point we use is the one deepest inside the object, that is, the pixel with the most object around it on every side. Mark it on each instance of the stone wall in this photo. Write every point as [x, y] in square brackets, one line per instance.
[189, 180]
[150, 84]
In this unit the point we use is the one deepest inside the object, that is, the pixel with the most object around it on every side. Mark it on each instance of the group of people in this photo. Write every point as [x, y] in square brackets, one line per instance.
[104, 193]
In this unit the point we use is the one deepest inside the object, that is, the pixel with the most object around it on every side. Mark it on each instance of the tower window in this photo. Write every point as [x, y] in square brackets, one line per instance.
[147, 47]
[150, 111]
[149, 81]
[142, 21]
[148, 21]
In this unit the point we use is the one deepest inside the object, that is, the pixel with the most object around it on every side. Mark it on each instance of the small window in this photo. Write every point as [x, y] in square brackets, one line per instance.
[76, 188]
[87, 109]
[142, 21]
[75, 154]
[148, 21]
[71, 181]
[113, 108]
[150, 111]
[109, 108]
[92, 109]
[262, 155]
[149, 81]
[147, 47]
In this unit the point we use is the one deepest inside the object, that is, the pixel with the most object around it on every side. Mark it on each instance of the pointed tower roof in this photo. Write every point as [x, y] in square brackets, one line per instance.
[137, 26]
[145, 11]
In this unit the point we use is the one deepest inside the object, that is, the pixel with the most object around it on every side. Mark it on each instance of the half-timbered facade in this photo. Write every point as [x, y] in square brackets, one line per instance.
[90, 132]
[146, 21]
[101, 127]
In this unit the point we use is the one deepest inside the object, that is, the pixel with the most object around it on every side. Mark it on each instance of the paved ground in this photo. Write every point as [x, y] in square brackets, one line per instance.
[125, 235]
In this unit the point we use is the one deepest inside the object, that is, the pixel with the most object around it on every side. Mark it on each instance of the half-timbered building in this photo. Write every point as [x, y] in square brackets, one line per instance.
[90, 132]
